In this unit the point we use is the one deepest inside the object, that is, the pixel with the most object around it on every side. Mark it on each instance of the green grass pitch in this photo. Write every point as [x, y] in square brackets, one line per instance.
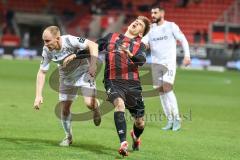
[209, 103]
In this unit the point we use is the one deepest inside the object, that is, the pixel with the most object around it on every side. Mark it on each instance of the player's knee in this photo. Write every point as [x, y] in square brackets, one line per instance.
[139, 124]
[65, 113]
[66, 108]
[119, 104]
[167, 88]
[120, 108]
[160, 89]
[90, 103]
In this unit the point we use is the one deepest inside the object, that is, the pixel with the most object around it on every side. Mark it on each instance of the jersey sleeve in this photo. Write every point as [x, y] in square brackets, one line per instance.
[103, 42]
[77, 42]
[45, 63]
[181, 37]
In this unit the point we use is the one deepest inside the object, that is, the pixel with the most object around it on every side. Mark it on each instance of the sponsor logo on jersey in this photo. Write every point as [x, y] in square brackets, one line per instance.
[160, 38]
[81, 40]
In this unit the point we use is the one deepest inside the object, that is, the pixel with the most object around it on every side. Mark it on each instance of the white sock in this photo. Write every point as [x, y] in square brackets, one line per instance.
[166, 107]
[66, 123]
[174, 106]
[124, 143]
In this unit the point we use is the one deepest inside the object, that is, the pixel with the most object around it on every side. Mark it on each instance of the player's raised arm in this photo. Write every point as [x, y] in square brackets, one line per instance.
[84, 44]
[102, 45]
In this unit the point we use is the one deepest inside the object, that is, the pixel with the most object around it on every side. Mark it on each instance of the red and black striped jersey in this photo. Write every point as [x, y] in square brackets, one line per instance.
[118, 64]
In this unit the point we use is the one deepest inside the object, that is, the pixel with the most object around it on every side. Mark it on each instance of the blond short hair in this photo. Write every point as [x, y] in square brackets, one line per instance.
[54, 30]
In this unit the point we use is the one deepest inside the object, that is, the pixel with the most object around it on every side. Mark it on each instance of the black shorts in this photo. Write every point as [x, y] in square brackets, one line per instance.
[130, 91]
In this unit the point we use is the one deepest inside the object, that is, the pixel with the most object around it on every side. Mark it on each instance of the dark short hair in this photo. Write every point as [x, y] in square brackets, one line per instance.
[158, 7]
[146, 22]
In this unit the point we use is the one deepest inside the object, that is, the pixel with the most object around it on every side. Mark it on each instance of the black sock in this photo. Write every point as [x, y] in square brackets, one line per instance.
[137, 131]
[120, 124]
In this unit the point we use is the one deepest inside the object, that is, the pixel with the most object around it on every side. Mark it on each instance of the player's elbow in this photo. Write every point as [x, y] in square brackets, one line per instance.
[95, 45]
[42, 72]
[41, 76]
[92, 45]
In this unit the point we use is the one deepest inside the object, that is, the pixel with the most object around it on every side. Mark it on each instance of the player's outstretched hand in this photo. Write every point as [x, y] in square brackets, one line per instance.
[186, 61]
[92, 70]
[38, 101]
[68, 59]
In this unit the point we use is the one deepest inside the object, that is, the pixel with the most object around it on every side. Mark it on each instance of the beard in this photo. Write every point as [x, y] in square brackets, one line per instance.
[156, 20]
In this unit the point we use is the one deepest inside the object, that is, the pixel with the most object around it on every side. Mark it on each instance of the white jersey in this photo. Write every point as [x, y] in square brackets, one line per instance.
[73, 71]
[162, 42]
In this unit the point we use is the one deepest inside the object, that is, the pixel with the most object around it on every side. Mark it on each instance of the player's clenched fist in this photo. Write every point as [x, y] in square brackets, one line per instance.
[186, 61]
[38, 101]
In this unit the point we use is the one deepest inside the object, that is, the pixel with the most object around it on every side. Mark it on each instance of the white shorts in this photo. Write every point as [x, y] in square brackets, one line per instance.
[70, 92]
[163, 73]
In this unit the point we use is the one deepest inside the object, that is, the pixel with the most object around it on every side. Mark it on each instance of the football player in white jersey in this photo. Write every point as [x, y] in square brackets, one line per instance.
[162, 40]
[77, 74]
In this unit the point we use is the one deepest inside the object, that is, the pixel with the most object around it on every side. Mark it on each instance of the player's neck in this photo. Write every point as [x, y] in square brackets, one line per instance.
[160, 22]
[129, 35]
